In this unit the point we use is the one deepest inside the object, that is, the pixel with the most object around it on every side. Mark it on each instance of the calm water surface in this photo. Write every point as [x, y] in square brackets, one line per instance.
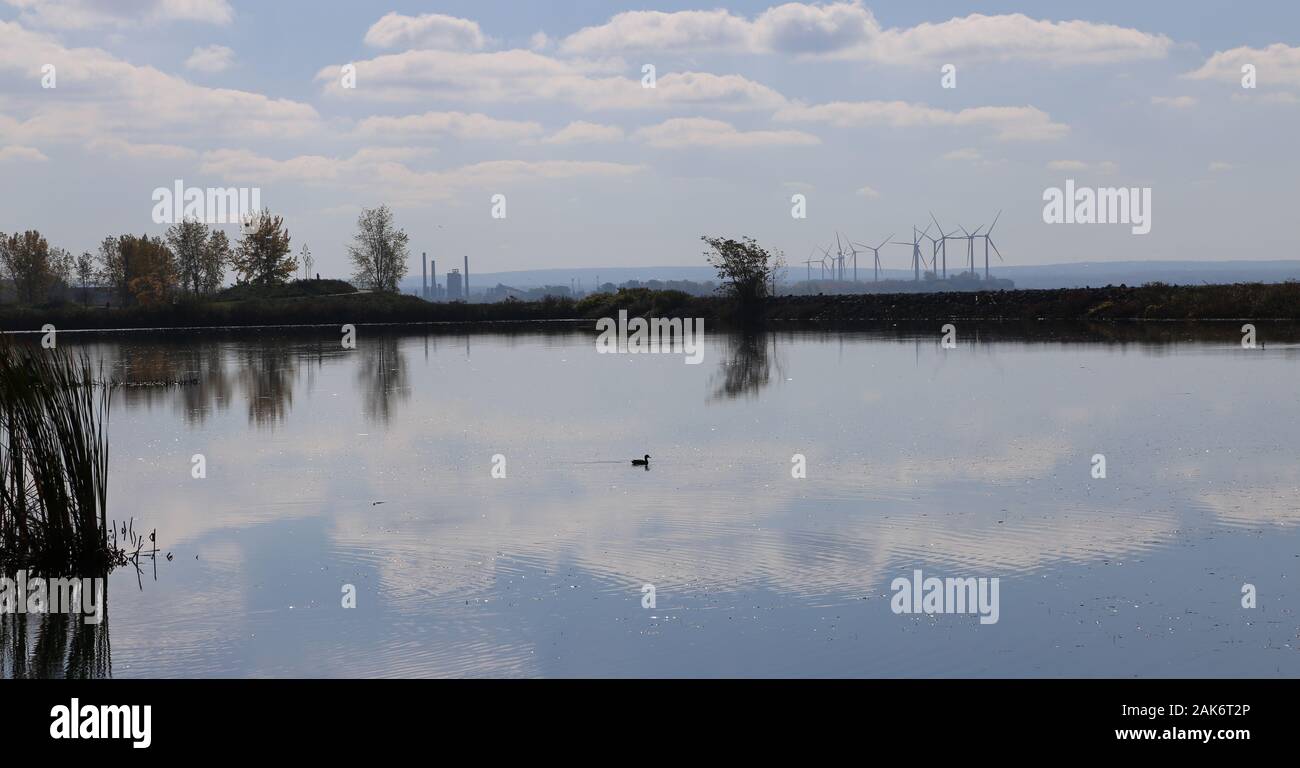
[373, 467]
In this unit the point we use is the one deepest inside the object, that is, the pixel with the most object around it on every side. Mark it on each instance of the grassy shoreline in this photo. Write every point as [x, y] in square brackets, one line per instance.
[1245, 301]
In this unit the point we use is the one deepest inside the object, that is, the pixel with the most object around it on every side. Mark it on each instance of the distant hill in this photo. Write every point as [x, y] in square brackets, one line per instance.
[1072, 275]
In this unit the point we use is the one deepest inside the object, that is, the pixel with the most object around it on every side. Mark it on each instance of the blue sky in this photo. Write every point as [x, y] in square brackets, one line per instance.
[541, 102]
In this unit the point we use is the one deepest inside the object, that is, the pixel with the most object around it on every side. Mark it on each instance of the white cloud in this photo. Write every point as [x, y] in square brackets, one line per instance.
[1007, 123]
[461, 125]
[540, 41]
[868, 193]
[120, 148]
[583, 132]
[850, 30]
[89, 14]
[684, 132]
[211, 58]
[102, 96]
[18, 153]
[1177, 102]
[1278, 64]
[656, 30]
[429, 30]
[383, 172]
[1017, 37]
[799, 28]
[520, 75]
[792, 28]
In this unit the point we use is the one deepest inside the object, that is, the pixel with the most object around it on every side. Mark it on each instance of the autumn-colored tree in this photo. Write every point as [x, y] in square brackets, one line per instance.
[263, 257]
[149, 268]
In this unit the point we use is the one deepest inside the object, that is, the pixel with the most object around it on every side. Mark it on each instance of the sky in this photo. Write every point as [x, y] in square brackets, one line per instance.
[545, 104]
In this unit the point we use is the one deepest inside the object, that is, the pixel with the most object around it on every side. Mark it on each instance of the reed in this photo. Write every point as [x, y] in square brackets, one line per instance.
[53, 464]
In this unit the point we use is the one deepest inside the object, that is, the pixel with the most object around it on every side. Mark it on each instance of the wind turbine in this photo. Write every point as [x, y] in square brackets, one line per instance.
[935, 244]
[810, 262]
[943, 243]
[839, 249]
[970, 244]
[988, 240]
[854, 252]
[876, 250]
[826, 256]
[916, 251]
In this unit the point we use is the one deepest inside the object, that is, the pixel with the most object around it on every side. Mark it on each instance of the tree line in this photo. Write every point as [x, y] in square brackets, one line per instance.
[190, 261]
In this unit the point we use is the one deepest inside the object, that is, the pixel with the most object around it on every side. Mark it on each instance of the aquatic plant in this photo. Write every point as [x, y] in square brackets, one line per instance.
[53, 463]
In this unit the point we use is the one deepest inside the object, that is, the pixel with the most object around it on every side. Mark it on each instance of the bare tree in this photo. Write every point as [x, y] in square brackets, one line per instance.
[379, 250]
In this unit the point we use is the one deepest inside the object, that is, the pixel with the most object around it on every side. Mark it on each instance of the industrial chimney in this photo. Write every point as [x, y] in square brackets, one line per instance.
[467, 278]
[424, 275]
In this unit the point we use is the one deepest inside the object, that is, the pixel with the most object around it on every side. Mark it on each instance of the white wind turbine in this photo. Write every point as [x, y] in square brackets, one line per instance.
[970, 244]
[988, 241]
[876, 251]
[941, 244]
[917, 259]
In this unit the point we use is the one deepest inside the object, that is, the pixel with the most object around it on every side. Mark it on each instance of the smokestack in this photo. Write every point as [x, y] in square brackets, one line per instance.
[466, 278]
[433, 267]
[424, 275]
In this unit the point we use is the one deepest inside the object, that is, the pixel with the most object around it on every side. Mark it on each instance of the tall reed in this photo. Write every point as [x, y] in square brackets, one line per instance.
[53, 463]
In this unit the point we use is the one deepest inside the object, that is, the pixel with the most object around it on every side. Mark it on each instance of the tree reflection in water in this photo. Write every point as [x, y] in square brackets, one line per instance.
[384, 377]
[747, 367]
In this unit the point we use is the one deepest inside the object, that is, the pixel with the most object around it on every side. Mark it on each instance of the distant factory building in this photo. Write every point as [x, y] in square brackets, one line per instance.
[455, 291]
[502, 292]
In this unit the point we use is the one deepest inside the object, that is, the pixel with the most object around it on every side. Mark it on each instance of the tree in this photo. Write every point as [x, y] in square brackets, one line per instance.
[379, 250]
[150, 269]
[85, 274]
[26, 260]
[263, 257]
[747, 270]
[216, 255]
[307, 261]
[112, 270]
[189, 240]
[62, 266]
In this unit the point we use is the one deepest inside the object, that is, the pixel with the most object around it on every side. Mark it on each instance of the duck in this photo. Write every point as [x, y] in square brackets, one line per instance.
[642, 462]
